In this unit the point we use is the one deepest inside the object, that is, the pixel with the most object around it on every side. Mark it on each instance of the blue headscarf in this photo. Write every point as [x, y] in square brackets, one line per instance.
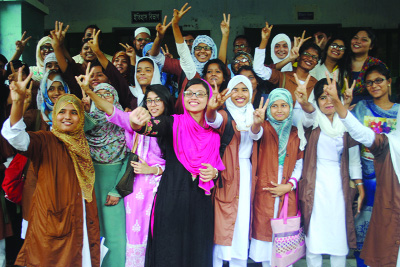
[208, 41]
[43, 101]
[283, 127]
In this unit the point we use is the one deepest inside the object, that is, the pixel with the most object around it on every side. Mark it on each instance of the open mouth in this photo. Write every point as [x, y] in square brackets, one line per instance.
[193, 103]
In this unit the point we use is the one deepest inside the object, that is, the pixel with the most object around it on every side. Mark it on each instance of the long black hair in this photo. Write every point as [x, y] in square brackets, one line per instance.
[163, 93]
[319, 89]
[222, 67]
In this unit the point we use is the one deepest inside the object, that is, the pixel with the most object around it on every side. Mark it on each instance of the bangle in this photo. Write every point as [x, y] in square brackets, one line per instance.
[359, 184]
[158, 170]
[289, 182]
[216, 175]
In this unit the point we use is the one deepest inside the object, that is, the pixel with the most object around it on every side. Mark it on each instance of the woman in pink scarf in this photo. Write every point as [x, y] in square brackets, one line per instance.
[183, 215]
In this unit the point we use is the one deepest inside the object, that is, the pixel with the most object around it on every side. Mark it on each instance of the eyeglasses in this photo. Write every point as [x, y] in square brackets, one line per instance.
[105, 95]
[242, 46]
[338, 47]
[199, 48]
[237, 61]
[313, 57]
[157, 101]
[143, 39]
[190, 41]
[197, 94]
[376, 81]
[46, 48]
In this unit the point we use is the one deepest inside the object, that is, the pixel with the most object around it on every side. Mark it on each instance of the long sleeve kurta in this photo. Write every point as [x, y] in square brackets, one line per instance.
[57, 234]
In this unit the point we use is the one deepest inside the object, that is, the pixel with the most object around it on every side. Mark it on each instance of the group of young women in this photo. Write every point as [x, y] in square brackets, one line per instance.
[214, 164]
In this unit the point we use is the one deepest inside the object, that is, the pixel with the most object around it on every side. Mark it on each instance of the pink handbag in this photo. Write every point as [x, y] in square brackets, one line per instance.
[288, 237]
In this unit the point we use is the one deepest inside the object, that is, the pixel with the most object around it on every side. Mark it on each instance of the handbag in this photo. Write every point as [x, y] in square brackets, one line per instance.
[14, 178]
[288, 236]
[125, 185]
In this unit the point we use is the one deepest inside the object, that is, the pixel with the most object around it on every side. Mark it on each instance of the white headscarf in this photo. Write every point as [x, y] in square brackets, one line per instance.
[243, 116]
[137, 90]
[279, 38]
[39, 59]
[49, 58]
[394, 146]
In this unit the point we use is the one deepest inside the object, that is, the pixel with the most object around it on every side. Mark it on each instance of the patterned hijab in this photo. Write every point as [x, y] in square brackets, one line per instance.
[77, 145]
[43, 101]
[243, 116]
[279, 38]
[106, 140]
[284, 127]
[208, 41]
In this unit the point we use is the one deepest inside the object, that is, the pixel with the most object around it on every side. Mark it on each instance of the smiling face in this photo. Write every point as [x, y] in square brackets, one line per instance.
[241, 95]
[335, 53]
[238, 62]
[67, 119]
[109, 97]
[144, 73]
[87, 53]
[361, 43]
[203, 55]
[241, 44]
[55, 91]
[280, 110]
[378, 91]
[308, 61]
[214, 73]
[121, 64]
[326, 106]
[156, 106]
[45, 50]
[281, 49]
[196, 104]
[98, 77]
[141, 40]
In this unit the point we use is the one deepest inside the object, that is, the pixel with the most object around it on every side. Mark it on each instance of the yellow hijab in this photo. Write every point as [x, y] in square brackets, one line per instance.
[76, 144]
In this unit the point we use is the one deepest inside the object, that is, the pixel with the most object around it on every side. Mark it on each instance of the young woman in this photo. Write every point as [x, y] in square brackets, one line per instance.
[280, 50]
[191, 63]
[107, 149]
[331, 159]
[148, 170]
[278, 170]
[333, 60]
[240, 59]
[377, 114]
[362, 43]
[183, 215]
[381, 246]
[215, 71]
[63, 224]
[233, 193]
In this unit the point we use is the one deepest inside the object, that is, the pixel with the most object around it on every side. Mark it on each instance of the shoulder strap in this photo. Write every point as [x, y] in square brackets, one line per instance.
[135, 143]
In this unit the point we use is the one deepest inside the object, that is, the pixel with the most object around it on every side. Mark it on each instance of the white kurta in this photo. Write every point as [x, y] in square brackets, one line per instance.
[327, 230]
[318, 72]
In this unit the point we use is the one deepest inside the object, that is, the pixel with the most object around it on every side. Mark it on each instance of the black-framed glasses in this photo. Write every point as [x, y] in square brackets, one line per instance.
[157, 101]
[369, 83]
[143, 39]
[46, 48]
[313, 57]
[199, 48]
[338, 47]
[242, 46]
[190, 41]
[189, 93]
[243, 60]
[105, 95]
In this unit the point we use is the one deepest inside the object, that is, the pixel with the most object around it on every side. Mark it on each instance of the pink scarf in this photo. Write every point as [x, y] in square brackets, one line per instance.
[195, 144]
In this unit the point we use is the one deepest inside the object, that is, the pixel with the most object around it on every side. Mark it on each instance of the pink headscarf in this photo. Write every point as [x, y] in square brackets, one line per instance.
[195, 144]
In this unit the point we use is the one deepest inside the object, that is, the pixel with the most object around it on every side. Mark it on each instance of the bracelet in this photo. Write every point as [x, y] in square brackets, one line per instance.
[216, 175]
[359, 184]
[289, 182]
[158, 170]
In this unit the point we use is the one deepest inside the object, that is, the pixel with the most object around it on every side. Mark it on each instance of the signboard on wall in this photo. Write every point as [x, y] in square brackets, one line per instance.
[305, 15]
[146, 16]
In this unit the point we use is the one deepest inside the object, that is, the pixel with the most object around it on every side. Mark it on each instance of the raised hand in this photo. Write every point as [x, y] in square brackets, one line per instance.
[162, 28]
[298, 42]
[178, 14]
[139, 117]
[83, 80]
[319, 42]
[330, 89]
[301, 90]
[259, 114]
[166, 52]
[18, 90]
[20, 44]
[59, 33]
[348, 93]
[266, 31]
[225, 24]
[217, 99]
[94, 43]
